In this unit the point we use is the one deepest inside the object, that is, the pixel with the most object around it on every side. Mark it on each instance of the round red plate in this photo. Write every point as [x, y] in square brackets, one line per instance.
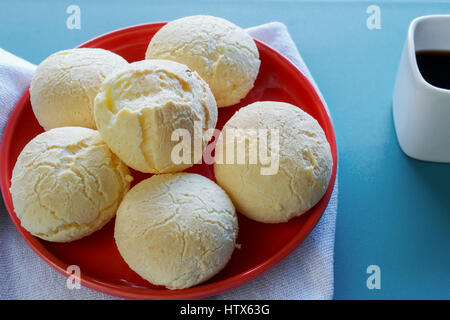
[262, 245]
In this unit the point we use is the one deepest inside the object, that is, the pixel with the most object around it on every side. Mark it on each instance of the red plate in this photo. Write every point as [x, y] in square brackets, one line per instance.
[263, 245]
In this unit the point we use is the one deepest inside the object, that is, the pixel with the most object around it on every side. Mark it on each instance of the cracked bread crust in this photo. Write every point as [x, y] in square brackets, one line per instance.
[176, 230]
[65, 84]
[66, 184]
[223, 54]
[140, 106]
[305, 163]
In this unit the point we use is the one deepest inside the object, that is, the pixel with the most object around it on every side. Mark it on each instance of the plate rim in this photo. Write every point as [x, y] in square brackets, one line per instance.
[203, 290]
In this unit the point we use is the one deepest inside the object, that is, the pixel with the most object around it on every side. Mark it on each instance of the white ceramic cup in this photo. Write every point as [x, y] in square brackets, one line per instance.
[421, 110]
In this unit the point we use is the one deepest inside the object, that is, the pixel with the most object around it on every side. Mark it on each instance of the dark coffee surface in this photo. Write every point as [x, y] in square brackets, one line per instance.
[434, 65]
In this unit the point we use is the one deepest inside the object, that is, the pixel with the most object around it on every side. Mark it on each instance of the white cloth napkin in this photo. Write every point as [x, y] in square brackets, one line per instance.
[307, 273]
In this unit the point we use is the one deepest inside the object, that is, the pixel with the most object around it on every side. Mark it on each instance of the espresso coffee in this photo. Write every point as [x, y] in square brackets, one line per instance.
[434, 65]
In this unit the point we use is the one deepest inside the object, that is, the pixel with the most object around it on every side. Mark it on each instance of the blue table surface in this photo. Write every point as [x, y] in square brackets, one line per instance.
[394, 211]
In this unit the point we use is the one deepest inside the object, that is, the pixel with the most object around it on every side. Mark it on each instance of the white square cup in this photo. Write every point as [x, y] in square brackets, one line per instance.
[422, 111]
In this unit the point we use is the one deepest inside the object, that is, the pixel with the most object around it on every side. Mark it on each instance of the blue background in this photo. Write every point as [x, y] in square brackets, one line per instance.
[393, 211]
